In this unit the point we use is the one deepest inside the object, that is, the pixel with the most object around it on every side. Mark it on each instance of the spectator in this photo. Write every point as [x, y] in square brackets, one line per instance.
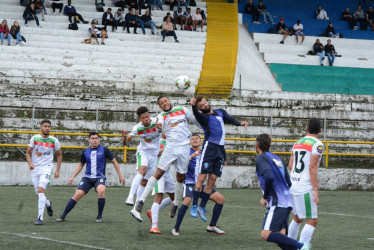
[15, 31]
[157, 4]
[4, 33]
[365, 2]
[30, 14]
[171, 3]
[182, 3]
[108, 19]
[130, 21]
[102, 2]
[252, 10]
[360, 17]
[97, 33]
[187, 19]
[56, 4]
[144, 4]
[120, 4]
[197, 19]
[330, 31]
[321, 14]
[70, 11]
[178, 18]
[319, 51]
[39, 8]
[282, 29]
[263, 11]
[298, 27]
[133, 5]
[139, 21]
[370, 18]
[168, 15]
[167, 30]
[118, 19]
[330, 52]
[147, 19]
[346, 15]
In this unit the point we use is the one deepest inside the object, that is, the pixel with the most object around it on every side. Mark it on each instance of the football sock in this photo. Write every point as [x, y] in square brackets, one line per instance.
[286, 247]
[165, 202]
[139, 192]
[293, 230]
[135, 184]
[100, 205]
[47, 203]
[196, 195]
[148, 189]
[178, 192]
[306, 233]
[284, 240]
[181, 212]
[216, 213]
[155, 208]
[41, 205]
[69, 207]
[204, 199]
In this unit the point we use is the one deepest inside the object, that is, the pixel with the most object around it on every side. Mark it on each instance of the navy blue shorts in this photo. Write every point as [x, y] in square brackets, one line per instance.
[87, 183]
[188, 190]
[213, 159]
[276, 218]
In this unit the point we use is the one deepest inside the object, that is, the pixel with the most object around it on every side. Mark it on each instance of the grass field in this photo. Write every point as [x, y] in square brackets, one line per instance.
[346, 221]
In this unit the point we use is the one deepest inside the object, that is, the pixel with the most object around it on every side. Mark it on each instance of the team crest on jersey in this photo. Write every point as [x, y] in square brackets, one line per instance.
[206, 165]
[81, 183]
[190, 188]
[101, 180]
[319, 149]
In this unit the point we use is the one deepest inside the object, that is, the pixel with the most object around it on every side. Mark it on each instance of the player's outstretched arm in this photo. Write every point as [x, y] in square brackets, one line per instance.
[314, 163]
[231, 120]
[28, 158]
[116, 166]
[59, 161]
[77, 170]
[126, 137]
[290, 163]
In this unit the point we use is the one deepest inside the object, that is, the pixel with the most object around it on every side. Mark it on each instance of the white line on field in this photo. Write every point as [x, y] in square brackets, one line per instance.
[59, 241]
[370, 238]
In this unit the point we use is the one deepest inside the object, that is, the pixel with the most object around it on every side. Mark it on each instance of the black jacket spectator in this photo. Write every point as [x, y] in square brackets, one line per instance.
[317, 48]
[329, 48]
[347, 16]
[29, 11]
[250, 8]
[330, 29]
[146, 18]
[280, 25]
[105, 17]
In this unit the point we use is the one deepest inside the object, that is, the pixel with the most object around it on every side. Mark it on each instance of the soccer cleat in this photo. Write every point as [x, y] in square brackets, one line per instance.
[99, 219]
[201, 212]
[149, 213]
[175, 232]
[139, 206]
[60, 219]
[193, 212]
[129, 201]
[173, 210]
[136, 215]
[216, 230]
[307, 246]
[39, 222]
[155, 230]
[49, 209]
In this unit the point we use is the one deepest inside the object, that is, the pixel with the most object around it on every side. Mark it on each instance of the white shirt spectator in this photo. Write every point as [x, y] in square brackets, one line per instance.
[297, 27]
[196, 17]
[94, 30]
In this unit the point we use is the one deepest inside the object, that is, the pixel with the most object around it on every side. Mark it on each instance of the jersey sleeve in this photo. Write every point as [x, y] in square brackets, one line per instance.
[31, 143]
[83, 158]
[57, 145]
[191, 116]
[317, 149]
[228, 118]
[108, 154]
[134, 131]
[160, 118]
[263, 166]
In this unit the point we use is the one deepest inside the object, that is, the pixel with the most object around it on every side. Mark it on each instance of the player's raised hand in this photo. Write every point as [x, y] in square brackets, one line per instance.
[243, 123]
[57, 174]
[264, 202]
[31, 166]
[70, 181]
[193, 101]
[316, 198]
[122, 180]
[124, 132]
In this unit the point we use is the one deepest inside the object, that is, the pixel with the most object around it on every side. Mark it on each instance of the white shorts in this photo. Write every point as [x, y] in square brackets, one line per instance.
[179, 154]
[304, 206]
[149, 160]
[41, 176]
[165, 185]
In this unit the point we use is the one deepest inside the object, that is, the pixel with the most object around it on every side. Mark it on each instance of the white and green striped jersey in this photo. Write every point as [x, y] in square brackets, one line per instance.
[149, 136]
[42, 150]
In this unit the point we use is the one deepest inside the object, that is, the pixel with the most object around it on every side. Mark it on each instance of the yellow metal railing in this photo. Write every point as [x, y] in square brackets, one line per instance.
[327, 152]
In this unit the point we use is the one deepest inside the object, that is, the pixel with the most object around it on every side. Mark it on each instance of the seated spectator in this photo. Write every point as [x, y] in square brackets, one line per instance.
[330, 31]
[264, 13]
[298, 27]
[70, 11]
[133, 4]
[118, 19]
[370, 18]
[319, 51]
[108, 19]
[15, 31]
[39, 8]
[139, 21]
[30, 14]
[252, 10]
[120, 4]
[360, 17]
[346, 15]
[167, 30]
[157, 4]
[282, 29]
[182, 3]
[147, 19]
[168, 15]
[330, 52]
[56, 4]
[4, 33]
[130, 21]
[178, 18]
[197, 19]
[97, 33]
[321, 14]
[187, 19]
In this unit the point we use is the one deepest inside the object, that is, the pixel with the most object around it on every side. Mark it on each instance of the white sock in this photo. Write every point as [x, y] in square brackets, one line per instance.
[41, 205]
[306, 233]
[47, 203]
[148, 189]
[135, 184]
[165, 203]
[178, 192]
[155, 208]
[293, 230]
[139, 192]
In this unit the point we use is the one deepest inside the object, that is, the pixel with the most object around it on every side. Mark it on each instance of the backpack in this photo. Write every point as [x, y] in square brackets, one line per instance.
[24, 2]
[73, 26]
[99, 7]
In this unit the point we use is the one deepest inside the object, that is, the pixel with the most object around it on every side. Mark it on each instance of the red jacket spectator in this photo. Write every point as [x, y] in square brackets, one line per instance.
[4, 30]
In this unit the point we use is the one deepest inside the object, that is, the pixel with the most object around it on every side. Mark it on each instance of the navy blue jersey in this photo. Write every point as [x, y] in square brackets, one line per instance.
[193, 170]
[96, 161]
[274, 180]
[214, 124]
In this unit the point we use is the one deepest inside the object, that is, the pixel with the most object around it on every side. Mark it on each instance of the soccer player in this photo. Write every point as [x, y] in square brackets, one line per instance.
[188, 188]
[174, 121]
[275, 183]
[304, 162]
[147, 151]
[94, 157]
[213, 156]
[39, 156]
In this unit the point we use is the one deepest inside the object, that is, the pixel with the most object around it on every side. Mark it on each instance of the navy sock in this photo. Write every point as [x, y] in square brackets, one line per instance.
[216, 213]
[69, 207]
[204, 199]
[196, 195]
[284, 240]
[181, 212]
[100, 204]
[286, 247]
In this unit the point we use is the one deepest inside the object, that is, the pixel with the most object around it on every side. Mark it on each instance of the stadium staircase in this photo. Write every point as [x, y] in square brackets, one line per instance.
[219, 63]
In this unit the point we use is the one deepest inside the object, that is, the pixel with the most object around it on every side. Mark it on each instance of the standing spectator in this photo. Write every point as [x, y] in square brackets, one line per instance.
[56, 4]
[70, 11]
[145, 4]
[298, 27]
[330, 31]
[197, 19]
[130, 21]
[178, 18]
[370, 18]
[15, 31]
[118, 19]
[30, 14]
[147, 19]
[133, 4]
[39, 8]
[187, 19]
[282, 29]
[96, 33]
[252, 10]
[108, 19]
[360, 17]
[121, 4]
[157, 4]
[346, 15]
[264, 13]
[330, 52]
[167, 30]
[139, 21]
[4, 33]
[172, 3]
[321, 14]
[319, 51]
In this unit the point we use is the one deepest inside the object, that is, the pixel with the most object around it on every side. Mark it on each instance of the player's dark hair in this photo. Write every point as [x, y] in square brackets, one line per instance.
[196, 135]
[198, 99]
[314, 126]
[141, 110]
[93, 133]
[264, 142]
[160, 97]
[45, 121]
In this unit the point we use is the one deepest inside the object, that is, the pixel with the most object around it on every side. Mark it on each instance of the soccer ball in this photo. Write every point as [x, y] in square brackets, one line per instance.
[183, 82]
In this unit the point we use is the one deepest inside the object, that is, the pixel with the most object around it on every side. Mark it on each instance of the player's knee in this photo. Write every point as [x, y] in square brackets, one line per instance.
[158, 173]
[41, 190]
[180, 178]
[143, 182]
[221, 200]
[312, 222]
[297, 220]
